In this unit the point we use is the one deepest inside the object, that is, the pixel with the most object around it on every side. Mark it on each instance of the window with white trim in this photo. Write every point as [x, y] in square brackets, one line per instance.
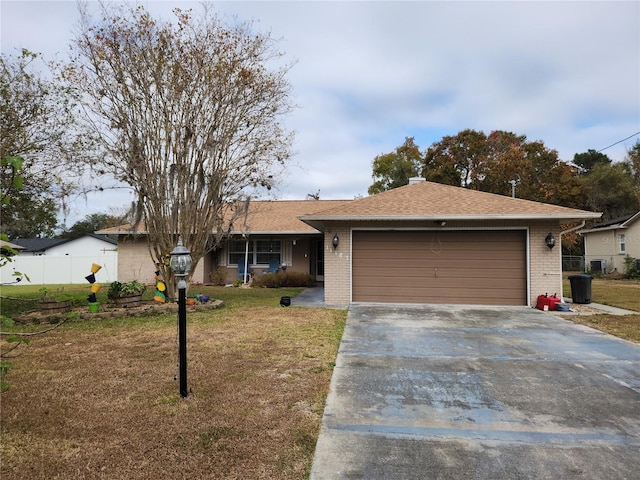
[261, 252]
[237, 249]
[622, 243]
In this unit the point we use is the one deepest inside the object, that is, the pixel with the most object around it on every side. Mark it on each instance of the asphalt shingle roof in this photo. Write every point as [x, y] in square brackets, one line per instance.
[425, 200]
[267, 217]
[282, 216]
[39, 244]
[421, 200]
[43, 244]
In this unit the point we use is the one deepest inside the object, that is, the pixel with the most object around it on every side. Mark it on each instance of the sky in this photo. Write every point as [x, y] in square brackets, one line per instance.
[368, 74]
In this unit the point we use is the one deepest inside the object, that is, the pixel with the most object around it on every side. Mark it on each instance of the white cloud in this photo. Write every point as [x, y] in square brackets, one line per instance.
[370, 73]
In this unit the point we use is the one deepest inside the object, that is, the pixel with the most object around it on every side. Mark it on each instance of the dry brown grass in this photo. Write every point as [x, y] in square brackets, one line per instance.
[615, 292]
[98, 400]
[623, 326]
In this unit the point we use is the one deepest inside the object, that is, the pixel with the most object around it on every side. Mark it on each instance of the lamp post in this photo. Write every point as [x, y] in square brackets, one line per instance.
[180, 264]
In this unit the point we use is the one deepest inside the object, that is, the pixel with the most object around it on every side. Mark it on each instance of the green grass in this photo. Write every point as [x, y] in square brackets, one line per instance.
[619, 293]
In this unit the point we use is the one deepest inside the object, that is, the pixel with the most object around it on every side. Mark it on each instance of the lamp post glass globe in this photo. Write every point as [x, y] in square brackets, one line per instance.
[180, 262]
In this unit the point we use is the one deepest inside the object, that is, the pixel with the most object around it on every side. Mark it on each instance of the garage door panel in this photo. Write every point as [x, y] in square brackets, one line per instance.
[483, 267]
[460, 296]
[372, 274]
[486, 262]
[451, 283]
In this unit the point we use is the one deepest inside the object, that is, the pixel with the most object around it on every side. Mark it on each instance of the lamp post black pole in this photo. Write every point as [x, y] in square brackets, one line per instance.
[181, 264]
[182, 336]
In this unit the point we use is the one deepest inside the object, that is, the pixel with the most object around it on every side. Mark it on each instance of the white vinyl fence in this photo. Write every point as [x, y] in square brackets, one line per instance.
[65, 269]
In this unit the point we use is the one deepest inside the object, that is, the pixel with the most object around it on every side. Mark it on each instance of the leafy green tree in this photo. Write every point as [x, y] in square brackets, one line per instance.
[538, 172]
[392, 170]
[189, 114]
[31, 214]
[11, 169]
[610, 189]
[589, 159]
[38, 123]
[92, 223]
[457, 160]
[633, 161]
[491, 163]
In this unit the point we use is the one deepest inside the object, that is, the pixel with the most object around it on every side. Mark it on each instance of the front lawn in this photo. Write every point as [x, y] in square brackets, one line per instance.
[616, 293]
[98, 399]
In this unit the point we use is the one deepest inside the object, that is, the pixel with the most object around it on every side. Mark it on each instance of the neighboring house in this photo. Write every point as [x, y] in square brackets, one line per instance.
[10, 249]
[89, 244]
[421, 243]
[63, 260]
[607, 244]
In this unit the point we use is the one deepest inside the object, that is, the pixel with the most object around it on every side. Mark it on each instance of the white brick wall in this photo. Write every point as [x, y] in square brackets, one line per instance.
[337, 266]
[545, 265]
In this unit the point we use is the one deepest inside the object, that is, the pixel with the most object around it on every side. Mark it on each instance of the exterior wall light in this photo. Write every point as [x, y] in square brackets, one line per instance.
[550, 241]
[335, 241]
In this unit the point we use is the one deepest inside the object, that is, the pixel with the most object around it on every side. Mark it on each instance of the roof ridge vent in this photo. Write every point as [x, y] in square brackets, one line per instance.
[413, 180]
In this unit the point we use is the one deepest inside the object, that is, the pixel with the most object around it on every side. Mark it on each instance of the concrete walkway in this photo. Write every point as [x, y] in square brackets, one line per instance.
[309, 297]
[313, 297]
[604, 309]
[460, 392]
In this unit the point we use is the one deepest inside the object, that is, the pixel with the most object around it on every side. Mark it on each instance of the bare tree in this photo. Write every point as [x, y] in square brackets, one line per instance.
[189, 112]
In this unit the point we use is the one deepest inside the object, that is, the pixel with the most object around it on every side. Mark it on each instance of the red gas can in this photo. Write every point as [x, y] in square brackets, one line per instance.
[549, 302]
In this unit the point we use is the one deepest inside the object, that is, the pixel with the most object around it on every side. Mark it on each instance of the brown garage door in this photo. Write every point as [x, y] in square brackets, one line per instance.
[459, 267]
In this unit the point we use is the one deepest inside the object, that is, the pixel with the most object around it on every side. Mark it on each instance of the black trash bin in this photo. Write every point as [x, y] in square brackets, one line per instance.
[581, 288]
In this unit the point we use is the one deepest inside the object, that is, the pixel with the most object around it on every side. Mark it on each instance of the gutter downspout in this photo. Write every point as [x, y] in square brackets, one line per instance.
[564, 232]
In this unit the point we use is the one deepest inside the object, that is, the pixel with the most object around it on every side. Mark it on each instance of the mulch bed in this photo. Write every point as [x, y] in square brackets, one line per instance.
[110, 310]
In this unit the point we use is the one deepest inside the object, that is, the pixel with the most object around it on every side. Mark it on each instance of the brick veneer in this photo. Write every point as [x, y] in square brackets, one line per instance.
[545, 265]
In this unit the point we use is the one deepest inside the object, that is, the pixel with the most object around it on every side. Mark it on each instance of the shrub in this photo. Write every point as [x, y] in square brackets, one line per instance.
[284, 279]
[631, 267]
[218, 276]
[125, 289]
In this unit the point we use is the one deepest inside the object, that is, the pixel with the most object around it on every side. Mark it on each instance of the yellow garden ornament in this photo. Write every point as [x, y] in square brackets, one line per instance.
[95, 267]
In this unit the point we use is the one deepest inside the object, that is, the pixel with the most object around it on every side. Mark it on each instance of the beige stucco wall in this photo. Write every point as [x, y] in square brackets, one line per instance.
[135, 262]
[606, 246]
[544, 265]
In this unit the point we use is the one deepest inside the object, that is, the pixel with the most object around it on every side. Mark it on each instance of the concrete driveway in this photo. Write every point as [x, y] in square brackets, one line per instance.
[459, 392]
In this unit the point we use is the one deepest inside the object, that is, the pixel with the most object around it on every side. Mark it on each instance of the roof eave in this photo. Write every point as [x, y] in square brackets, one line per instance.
[632, 219]
[317, 221]
[269, 232]
[121, 232]
[619, 226]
